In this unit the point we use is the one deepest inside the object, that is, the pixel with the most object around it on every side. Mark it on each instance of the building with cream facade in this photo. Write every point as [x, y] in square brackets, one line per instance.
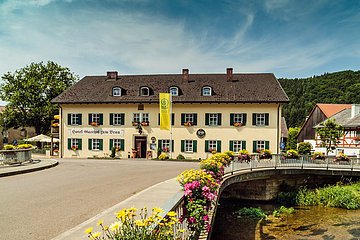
[210, 112]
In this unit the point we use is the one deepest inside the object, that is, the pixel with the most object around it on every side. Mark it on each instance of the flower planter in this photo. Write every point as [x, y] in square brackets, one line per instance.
[188, 124]
[237, 124]
[95, 124]
[145, 124]
[15, 156]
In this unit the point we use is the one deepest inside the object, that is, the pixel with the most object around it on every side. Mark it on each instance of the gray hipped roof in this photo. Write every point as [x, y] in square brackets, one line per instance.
[344, 119]
[254, 88]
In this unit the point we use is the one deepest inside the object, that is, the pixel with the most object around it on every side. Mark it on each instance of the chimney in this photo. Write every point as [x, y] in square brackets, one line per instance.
[355, 110]
[112, 75]
[229, 74]
[185, 75]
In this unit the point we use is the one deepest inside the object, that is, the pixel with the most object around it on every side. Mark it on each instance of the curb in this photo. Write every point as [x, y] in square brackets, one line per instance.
[28, 170]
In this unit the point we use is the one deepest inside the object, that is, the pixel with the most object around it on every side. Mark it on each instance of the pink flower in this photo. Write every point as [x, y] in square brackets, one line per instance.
[206, 218]
[192, 220]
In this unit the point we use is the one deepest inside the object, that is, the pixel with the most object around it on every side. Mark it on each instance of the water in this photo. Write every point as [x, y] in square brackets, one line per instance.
[306, 223]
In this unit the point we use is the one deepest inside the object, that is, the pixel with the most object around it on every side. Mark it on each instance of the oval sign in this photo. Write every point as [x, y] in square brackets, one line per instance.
[200, 133]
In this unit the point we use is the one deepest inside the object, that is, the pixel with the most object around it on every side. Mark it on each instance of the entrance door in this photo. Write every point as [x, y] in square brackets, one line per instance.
[140, 145]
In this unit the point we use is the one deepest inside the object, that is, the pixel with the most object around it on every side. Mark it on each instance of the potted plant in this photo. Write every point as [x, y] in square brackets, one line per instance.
[145, 123]
[135, 124]
[318, 156]
[244, 155]
[165, 149]
[74, 148]
[94, 124]
[341, 157]
[188, 124]
[237, 124]
[292, 154]
[264, 154]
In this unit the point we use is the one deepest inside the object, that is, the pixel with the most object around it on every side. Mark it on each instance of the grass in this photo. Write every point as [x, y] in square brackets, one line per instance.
[250, 213]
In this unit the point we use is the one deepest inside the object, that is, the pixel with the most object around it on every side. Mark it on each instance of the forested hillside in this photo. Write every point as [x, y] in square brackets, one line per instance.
[338, 87]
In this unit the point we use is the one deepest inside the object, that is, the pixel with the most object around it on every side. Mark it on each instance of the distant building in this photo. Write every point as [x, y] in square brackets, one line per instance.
[210, 112]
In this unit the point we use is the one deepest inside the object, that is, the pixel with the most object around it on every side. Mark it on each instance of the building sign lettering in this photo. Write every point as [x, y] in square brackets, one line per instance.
[92, 131]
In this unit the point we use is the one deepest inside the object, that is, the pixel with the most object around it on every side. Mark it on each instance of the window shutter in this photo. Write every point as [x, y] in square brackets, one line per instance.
[111, 144]
[206, 145]
[172, 145]
[243, 145]
[122, 144]
[80, 144]
[254, 146]
[244, 119]
[90, 118]
[267, 143]
[69, 143]
[101, 119]
[182, 145]
[231, 145]
[195, 119]
[90, 144]
[266, 119]
[172, 119]
[254, 119]
[231, 120]
[182, 119]
[218, 146]
[80, 118]
[101, 144]
[207, 118]
[219, 119]
[194, 145]
[69, 118]
[111, 119]
[159, 119]
[122, 121]
[159, 145]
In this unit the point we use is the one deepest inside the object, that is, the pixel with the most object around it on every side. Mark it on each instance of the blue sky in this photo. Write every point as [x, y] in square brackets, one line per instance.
[289, 38]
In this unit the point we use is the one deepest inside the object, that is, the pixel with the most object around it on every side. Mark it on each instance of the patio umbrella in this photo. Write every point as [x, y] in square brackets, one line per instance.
[48, 140]
[38, 138]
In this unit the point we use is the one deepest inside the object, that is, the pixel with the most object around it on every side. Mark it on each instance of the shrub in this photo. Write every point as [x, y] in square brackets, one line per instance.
[199, 175]
[214, 167]
[180, 157]
[244, 155]
[163, 156]
[222, 158]
[250, 213]
[318, 155]
[265, 154]
[113, 150]
[342, 157]
[304, 148]
[9, 147]
[292, 154]
[24, 146]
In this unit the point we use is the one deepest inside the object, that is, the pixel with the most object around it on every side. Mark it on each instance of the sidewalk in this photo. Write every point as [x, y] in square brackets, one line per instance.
[165, 195]
[27, 167]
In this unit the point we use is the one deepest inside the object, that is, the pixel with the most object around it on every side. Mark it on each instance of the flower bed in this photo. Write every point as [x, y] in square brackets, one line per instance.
[16, 154]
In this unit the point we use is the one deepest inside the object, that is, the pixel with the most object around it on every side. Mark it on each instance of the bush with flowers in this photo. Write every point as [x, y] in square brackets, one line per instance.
[222, 157]
[147, 226]
[341, 157]
[163, 156]
[213, 167]
[318, 156]
[265, 154]
[292, 154]
[244, 156]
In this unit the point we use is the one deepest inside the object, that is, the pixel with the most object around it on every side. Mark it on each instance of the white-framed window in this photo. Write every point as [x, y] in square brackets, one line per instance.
[136, 117]
[237, 145]
[144, 91]
[189, 146]
[165, 145]
[75, 119]
[238, 118]
[95, 144]
[117, 118]
[174, 91]
[213, 119]
[74, 143]
[213, 145]
[116, 91]
[95, 117]
[145, 117]
[189, 117]
[206, 91]
[141, 117]
[117, 143]
[260, 119]
[260, 145]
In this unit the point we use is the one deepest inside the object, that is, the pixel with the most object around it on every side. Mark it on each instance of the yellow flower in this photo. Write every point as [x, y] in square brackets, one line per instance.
[121, 215]
[139, 223]
[171, 214]
[96, 235]
[88, 230]
[115, 226]
[133, 209]
[100, 222]
[158, 210]
[181, 230]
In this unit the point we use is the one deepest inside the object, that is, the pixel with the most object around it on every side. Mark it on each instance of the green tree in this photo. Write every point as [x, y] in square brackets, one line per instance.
[29, 92]
[330, 133]
[291, 141]
[304, 148]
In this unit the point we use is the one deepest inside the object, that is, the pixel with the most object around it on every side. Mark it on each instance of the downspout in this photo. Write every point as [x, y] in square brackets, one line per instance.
[61, 133]
[278, 130]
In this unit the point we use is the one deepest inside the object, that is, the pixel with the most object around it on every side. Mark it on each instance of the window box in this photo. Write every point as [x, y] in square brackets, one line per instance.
[135, 124]
[94, 124]
[74, 148]
[165, 149]
[188, 124]
[55, 124]
[145, 123]
[237, 124]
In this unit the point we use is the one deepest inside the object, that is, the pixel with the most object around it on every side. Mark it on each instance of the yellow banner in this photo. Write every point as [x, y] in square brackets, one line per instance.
[165, 118]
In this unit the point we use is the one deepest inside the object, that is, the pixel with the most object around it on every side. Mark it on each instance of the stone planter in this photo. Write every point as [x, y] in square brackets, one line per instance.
[15, 156]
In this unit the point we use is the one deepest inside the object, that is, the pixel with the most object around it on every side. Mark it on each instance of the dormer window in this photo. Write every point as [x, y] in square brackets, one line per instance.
[174, 91]
[144, 91]
[116, 91]
[206, 91]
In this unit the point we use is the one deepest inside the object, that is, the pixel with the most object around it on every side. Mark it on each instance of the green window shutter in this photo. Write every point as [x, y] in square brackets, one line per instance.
[122, 144]
[101, 144]
[267, 143]
[69, 118]
[231, 120]
[80, 118]
[254, 146]
[195, 119]
[254, 119]
[182, 118]
[194, 145]
[122, 115]
[90, 118]
[218, 146]
[243, 145]
[244, 118]
[159, 119]
[172, 145]
[159, 145]
[219, 119]
[111, 144]
[266, 119]
[172, 119]
[111, 119]
[69, 143]
[182, 145]
[231, 145]
[207, 118]
[206, 145]
[101, 119]
[90, 144]
[80, 143]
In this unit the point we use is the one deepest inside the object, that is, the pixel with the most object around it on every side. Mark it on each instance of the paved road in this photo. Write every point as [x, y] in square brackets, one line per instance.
[41, 205]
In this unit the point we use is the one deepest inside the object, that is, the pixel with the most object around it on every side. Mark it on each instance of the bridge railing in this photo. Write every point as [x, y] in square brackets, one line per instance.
[278, 161]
